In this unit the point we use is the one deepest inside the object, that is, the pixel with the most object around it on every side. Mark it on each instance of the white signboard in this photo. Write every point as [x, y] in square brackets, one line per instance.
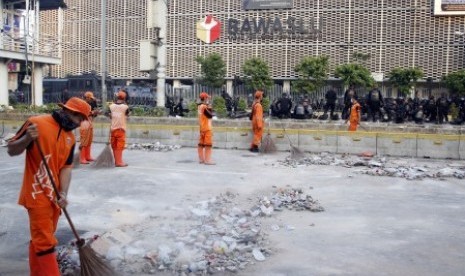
[267, 4]
[449, 7]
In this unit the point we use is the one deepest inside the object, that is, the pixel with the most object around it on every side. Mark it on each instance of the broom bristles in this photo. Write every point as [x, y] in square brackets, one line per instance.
[77, 159]
[92, 264]
[296, 153]
[105, 159]
[268, 146]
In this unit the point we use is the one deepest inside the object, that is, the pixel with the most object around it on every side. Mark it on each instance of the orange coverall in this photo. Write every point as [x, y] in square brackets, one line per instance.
[37, 194]
[354, 118]
[257, 123]
[206, 135]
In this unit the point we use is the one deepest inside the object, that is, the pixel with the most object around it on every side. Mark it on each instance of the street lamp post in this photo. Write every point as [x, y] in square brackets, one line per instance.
[104, 55]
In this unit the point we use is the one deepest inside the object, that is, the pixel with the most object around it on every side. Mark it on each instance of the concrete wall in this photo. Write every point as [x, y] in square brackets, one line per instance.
[429, 141]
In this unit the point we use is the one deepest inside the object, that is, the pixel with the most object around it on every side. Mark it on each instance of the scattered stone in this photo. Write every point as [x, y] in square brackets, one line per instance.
[157, 146]
[213, 236]
[381, 166]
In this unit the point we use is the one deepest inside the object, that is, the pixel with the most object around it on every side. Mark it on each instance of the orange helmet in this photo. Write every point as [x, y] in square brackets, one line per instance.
[121, 95]
[77, 105]
[203, 96]
[89, 95]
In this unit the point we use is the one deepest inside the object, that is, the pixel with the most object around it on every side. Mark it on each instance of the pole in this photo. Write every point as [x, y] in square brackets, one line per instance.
[103, 55]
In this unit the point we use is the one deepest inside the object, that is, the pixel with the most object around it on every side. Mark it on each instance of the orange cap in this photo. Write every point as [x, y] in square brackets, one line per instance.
[77, 105]
[121, 95]
[89, 95]
[203, 95]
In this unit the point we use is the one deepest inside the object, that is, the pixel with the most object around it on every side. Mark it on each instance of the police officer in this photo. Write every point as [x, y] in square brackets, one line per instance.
[375, 101]
[431, 109]
[283, 106]
[442, 105]
[348, 95]
[330, 105]
[299, 109]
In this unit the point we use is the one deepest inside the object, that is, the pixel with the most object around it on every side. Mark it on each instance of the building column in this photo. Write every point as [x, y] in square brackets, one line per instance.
[230, 88]
[4, 83]
[287, 86]
[161, 12]
[37, 82]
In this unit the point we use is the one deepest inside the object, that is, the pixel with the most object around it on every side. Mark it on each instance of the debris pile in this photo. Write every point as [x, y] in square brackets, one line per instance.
[381, 166]
[153, 147]
[211, 236]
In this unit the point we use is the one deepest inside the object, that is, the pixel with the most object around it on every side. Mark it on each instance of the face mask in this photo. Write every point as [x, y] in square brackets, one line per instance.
[64, 120]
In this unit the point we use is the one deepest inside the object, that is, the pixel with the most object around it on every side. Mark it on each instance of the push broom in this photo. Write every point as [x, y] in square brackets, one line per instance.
[106, 158]
[267, 145]
[91, 263]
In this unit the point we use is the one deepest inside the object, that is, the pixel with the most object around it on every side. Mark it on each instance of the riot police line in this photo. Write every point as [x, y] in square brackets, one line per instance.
[374, 108]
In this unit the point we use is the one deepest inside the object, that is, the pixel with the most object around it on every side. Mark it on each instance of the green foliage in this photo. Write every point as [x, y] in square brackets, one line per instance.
[192, 109]
[266, 105]
[257, 74]
[242, 104]
[359, 56]
[454, 111]
[455, 82]
[213, 70]
[404, 78]
[312, 73]
[354, 74]
[147, 111]
[33, 109]
[219, 106]
[137, 111]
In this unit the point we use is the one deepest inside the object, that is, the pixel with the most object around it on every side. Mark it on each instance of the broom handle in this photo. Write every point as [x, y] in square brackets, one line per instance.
[56, 190]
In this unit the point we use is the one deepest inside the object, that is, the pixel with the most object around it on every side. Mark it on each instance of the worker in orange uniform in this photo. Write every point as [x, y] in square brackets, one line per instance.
[205, 145]
[119, 111]
[86, 130]
[257, 121]
[54, 133]
[355, 115]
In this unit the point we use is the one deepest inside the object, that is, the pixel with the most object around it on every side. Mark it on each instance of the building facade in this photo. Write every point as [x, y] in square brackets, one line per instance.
[392, 33]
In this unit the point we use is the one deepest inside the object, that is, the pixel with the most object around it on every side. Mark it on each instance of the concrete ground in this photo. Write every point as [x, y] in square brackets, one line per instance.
[370, 226]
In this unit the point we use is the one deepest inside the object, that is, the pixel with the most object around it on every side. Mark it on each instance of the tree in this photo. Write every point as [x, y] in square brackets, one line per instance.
[404, 78]
[257, 74]
[313, 72]
[354, 74]
[455, 82]
[213, 70]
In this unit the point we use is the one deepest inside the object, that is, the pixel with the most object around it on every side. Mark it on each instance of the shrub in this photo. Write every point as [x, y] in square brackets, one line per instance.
[219, 106]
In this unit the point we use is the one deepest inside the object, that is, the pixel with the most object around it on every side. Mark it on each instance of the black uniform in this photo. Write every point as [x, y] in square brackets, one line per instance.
[284, 106]
[330, 105]
[442, 105]
[347, 103]
[375, 101]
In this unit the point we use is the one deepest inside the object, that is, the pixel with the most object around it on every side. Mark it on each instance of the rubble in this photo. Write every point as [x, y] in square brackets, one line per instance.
[157, 146]
[211, 236]
[380, 166]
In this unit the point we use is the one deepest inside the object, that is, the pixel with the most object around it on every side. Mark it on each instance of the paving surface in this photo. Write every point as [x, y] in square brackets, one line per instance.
[371, 225]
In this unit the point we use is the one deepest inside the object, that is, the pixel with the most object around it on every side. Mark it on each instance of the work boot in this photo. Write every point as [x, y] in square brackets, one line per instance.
[48, 264]
[82, 156]
[88, 156]
[119, 158]
[208, 155]
[34, 265]
[254, 148]
[201, 154]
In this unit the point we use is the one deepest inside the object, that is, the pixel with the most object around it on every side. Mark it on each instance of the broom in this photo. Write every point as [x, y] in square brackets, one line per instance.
[296, 153]
[91, 263]
[267, 145]
[106, 158]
